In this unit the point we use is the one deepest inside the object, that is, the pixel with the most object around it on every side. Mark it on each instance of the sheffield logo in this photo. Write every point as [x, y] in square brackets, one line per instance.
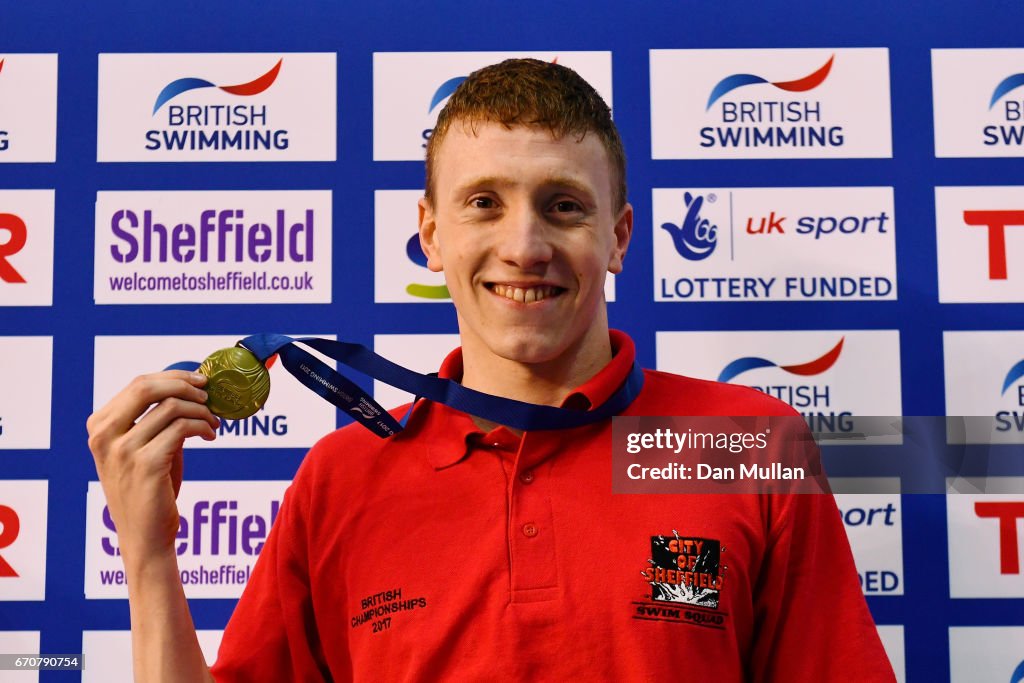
[182, 85]
[213, 247]
[414, 252]
[695, 239]
[17, 236]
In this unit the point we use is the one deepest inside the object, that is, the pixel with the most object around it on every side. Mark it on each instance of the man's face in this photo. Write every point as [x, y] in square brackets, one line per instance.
[524, 228]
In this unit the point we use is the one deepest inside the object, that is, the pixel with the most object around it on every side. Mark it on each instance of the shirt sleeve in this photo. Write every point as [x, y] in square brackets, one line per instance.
[272, 635]
[812, 622]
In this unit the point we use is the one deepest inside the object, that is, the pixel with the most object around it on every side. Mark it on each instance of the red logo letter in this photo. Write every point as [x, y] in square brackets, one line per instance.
[996, 221]
[11, 526]
[1008, 514]
[15, 226]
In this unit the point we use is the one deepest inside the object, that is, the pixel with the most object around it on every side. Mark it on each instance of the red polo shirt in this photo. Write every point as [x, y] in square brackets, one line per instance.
[450, 554]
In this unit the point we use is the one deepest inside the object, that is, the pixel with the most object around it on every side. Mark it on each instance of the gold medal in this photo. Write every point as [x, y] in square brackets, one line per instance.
[238, 384]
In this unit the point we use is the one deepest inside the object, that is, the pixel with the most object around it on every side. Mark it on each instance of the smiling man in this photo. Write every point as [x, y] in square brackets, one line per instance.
[461, 550]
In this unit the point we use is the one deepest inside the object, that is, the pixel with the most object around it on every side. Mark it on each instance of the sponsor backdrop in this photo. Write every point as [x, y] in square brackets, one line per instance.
[829, 207]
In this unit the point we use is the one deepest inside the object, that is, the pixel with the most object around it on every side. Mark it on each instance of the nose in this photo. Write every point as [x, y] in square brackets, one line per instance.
[525, 239]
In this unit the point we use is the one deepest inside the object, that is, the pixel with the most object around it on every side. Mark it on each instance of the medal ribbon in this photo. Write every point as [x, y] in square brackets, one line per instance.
[348, 396]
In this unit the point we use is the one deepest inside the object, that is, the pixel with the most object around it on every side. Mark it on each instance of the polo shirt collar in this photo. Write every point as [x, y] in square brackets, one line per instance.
[452, 433]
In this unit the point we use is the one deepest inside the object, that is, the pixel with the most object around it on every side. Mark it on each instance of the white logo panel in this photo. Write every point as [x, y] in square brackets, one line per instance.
[293, 417]
[213, 247]
[223, 526]
[217, 107]
[23, 509]
[874, 527]
[28, 108]
[109, 654]
[827, 376]
[26, 247]
[979, 233]
[25, 363]
[774, 244]
[892, 641]
[986, 539]
[986, 653]
[419, 352]
[764, 104]
[984, 374]
[20, 642]
[410, 89]
[400, 267]
[978, 107]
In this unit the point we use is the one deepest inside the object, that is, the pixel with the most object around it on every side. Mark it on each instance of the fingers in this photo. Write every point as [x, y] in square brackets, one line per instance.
[163, 417]
[120, 413]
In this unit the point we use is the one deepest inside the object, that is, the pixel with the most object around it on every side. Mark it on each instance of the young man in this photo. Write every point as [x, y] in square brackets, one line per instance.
[461, 549]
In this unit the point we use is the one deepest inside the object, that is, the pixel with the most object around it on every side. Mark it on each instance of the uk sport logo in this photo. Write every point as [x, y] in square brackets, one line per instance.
[774, 244]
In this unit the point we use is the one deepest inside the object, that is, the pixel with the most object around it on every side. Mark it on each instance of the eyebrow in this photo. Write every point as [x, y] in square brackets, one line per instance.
[504, 181]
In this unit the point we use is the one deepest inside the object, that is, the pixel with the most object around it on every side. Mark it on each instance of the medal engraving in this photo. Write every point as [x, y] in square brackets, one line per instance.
[238, 383]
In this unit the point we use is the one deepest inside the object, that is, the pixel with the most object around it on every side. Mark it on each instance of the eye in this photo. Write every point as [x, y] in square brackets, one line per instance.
[482, 203]
[566, 206]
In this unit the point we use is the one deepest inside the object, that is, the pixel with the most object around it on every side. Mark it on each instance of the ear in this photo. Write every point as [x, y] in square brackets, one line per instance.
[622, 232]
[429, 242]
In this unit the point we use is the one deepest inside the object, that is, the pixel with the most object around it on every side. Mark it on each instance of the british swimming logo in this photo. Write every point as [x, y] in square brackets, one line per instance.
[183, 85]
[786, 104]
[217, 107]
[805, 84]
[814, 367]
[696, 237]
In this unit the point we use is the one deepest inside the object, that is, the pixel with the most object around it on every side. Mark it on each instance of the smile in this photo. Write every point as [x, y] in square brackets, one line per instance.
[526, 295]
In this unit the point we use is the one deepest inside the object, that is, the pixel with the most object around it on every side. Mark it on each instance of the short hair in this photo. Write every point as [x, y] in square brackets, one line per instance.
[530, 92]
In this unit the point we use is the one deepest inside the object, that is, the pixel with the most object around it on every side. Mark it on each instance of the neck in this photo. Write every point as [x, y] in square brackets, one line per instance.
[547, 382]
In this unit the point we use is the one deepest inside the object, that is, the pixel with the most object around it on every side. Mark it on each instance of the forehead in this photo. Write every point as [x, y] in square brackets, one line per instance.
[522, 153]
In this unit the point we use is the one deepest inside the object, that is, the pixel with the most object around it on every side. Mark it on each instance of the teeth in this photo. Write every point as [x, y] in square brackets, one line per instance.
[527, 296]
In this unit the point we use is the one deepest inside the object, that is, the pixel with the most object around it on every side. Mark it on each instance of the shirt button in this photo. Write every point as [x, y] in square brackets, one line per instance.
[530, 530]
[526, 477]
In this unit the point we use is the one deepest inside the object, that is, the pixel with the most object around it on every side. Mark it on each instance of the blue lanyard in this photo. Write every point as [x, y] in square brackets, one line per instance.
[349, 397]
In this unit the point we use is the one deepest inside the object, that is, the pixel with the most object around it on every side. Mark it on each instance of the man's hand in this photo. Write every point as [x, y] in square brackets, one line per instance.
[139, 461]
